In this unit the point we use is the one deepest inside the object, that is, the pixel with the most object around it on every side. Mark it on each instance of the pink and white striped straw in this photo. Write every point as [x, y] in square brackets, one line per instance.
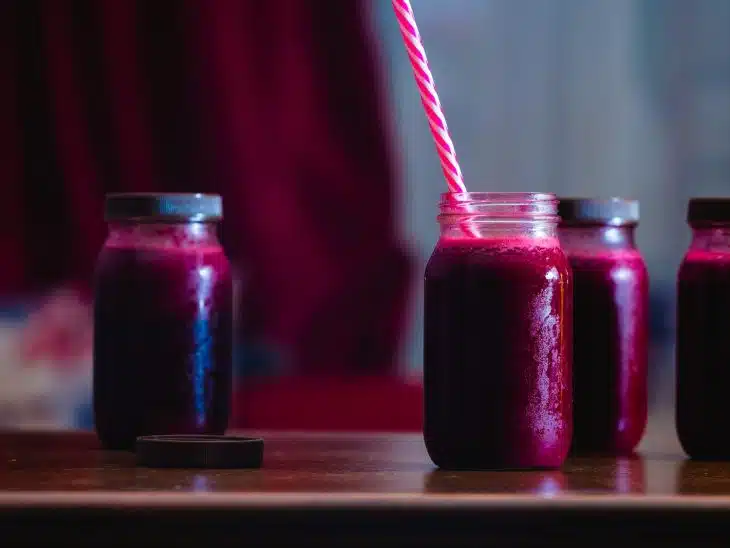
[429, 97]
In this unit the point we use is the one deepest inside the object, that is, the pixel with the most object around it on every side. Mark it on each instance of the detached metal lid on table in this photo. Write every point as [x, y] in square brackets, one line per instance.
[194, 451]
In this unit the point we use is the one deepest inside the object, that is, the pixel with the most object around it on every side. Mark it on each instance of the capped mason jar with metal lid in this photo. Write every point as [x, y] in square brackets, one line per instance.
[163, 319]
[611, 323]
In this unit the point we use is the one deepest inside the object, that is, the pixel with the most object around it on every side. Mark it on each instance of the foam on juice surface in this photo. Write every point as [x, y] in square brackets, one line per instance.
[501, 242]
[612, 255]
[191, 248]
[709, 256]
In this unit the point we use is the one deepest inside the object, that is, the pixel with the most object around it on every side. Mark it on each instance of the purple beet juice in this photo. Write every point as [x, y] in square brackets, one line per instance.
[610, 350]
[497, 361]
[163, 317]
[703, 354]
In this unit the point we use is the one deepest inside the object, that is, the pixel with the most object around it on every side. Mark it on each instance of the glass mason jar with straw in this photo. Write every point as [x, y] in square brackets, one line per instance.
[498, 316]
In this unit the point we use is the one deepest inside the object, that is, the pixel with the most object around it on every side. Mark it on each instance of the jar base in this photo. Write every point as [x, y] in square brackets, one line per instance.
[462, 461]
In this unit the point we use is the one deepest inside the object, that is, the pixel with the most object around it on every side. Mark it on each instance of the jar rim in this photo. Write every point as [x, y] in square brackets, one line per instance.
[503, 207]
[499, 198]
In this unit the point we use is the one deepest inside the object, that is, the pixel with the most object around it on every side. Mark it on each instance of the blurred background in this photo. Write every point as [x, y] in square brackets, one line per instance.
[305, 111]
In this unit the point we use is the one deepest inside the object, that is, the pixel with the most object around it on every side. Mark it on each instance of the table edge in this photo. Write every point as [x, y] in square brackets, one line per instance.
[312, 501]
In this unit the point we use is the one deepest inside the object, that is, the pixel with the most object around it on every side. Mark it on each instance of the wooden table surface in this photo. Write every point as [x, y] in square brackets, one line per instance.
[351, 489]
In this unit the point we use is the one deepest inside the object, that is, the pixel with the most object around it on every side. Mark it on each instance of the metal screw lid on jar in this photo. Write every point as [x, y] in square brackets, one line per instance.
[598, 211]
[708, 210]
[173, 207]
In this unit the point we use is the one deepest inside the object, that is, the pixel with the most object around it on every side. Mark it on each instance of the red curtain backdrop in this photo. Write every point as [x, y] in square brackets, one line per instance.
[275, 104]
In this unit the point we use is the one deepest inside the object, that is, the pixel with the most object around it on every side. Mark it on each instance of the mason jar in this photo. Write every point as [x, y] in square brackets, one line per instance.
[498, 334]
[163, 317]
[610, 323]
[703, 332]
